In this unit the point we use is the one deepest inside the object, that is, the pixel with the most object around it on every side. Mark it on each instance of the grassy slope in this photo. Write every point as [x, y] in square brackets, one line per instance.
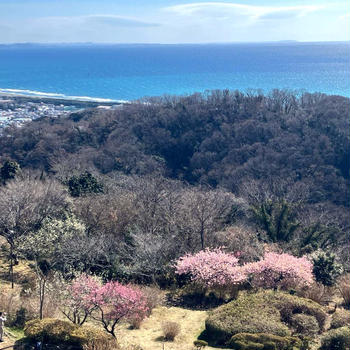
[22, 270]
[149, 336]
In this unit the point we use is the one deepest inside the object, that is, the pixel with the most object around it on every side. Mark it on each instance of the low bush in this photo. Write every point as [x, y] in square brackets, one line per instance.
[289, 305]
[340, 318]
[263, 341]
[49, 330]
[264, 312]
[92, 338]
[154, 297]
[20, 318]
[135, 323]
[170, 330]
[316, 292]
[344, 288]
[336, 339]
[65, 334]
[305, 324]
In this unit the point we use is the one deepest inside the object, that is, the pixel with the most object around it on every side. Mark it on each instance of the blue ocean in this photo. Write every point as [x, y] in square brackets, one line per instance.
[127, 72]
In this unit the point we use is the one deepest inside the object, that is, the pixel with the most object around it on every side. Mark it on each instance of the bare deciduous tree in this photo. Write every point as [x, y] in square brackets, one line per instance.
[210, 210]
[24, 204]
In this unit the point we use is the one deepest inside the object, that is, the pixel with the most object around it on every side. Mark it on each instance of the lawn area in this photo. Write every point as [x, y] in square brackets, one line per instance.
[149, 336]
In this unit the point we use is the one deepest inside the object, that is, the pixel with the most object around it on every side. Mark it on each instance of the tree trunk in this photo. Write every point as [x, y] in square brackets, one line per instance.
[202, 236]
[11, 266]
[42, 297]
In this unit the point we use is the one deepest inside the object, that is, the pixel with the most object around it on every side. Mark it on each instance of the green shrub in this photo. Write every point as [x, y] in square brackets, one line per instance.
[336, 339]
[250, 313]
[340, 318]
[20, 318]
[263, 312]
[305, 324]
[264, 341]
[57, 332]
[289, 305]
[49, 330]
[93, 339]
[326, 269]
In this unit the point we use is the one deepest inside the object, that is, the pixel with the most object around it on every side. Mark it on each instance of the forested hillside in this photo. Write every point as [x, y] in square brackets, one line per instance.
[278, 164]
[221, 138]
[211, 199]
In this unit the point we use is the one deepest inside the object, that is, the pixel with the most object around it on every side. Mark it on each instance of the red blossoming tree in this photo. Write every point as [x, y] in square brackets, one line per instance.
[77, 303]
[118, 302]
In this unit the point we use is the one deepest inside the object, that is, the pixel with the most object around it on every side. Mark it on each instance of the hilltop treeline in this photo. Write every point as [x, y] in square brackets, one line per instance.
[164, 176]
[222, 139]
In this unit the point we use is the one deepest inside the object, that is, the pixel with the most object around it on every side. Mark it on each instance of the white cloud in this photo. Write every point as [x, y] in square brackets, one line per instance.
[89, 20]
[205, 21]
[95, 28]
[119, 21]
[219, 10]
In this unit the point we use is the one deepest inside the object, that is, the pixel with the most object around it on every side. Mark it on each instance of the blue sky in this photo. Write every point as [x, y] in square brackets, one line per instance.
[173, 21]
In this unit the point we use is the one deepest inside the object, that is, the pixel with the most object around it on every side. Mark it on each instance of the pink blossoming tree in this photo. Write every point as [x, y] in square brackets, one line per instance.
[211, 268]
[279, 270]
[77, 303]
[215, 269]
[118, 302]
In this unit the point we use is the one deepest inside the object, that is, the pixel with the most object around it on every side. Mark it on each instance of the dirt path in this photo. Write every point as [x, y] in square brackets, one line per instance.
[8, 342]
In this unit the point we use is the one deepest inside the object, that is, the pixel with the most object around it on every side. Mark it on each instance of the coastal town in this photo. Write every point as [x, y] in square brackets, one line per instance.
[12, 112]
[17, 110]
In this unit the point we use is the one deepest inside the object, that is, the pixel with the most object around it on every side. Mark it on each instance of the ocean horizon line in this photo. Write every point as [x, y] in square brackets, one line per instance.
[172, 44]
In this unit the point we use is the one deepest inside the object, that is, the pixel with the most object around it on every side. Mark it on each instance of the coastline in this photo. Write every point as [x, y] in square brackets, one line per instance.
[21, 106]
[58, 99]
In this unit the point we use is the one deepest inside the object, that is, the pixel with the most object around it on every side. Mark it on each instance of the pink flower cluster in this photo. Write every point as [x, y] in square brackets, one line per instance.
[114, 300]
[215, 268]
[80, 292]
[211, 268]
[280, 270]
[117, 301]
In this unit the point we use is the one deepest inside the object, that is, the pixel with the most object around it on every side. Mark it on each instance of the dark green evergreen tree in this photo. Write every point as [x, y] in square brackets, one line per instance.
[326, 270]
[84, 184]
[319, 236]
[9, 170]
[277, 218]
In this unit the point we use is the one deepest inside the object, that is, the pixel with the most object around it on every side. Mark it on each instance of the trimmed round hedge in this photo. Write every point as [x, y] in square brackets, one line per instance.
[340, 318]
[336, 339]
[67, 335]
[263, 341]
[263, 312]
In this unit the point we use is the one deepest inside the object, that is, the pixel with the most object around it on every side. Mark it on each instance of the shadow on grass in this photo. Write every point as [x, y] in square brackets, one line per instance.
[160, 338]
[194, 301]
[26, 344]
[204, 336]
